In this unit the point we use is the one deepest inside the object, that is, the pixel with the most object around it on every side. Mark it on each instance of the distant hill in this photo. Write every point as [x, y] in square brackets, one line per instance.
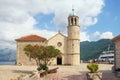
[7, 54]
[92, 50]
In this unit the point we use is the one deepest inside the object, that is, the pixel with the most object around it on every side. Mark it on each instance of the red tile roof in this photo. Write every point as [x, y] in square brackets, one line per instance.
[116, 38]
[31, 38]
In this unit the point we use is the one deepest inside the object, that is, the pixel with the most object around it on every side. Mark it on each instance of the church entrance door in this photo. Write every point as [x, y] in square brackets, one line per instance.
[59, 60]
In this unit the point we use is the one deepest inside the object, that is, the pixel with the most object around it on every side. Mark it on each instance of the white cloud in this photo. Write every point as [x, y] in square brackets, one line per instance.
[97, 33]
[88, 21]
[7, 44]
[95, 36]
[17, 17]
[106, 35]
[84, 36]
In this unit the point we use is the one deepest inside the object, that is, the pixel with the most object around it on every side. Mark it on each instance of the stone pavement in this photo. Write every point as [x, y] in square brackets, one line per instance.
[65, 76]
[79, 73]
[81, 76]
[108, 75]
[64, 72]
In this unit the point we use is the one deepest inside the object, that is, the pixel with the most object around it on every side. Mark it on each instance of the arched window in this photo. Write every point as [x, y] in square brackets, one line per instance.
[72, 21]
[75, 21]
[69, 22]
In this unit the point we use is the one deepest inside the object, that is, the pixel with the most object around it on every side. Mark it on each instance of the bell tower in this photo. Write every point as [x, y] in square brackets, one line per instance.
[73, 41]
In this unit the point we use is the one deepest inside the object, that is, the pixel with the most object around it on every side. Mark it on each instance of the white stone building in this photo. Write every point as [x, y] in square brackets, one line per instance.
[68, 45]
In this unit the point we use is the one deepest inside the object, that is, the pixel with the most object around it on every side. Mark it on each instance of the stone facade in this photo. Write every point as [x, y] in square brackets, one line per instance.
[116, 40]
[59, 41]
[22, 59]
[68, 45]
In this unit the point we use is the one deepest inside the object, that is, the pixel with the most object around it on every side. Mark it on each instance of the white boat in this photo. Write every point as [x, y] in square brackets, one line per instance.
[106, 57]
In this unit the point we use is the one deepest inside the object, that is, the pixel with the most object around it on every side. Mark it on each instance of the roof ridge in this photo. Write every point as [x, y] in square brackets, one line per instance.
[32, 37]
[116, 38]
[57, 34]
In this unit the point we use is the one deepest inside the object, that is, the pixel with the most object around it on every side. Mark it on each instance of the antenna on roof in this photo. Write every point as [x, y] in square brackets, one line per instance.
[73, 8]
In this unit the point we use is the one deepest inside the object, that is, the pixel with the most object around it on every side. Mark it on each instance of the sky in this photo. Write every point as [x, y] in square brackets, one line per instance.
[98, 19]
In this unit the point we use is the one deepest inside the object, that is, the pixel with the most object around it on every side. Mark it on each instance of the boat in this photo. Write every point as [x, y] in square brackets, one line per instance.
[107, 57]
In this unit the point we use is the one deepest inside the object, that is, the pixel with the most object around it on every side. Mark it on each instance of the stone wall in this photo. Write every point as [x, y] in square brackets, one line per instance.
[117, 54]
[22, 58]
[73, 44]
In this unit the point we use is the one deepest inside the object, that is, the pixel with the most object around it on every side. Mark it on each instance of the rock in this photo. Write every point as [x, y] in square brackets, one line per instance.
[94, 76]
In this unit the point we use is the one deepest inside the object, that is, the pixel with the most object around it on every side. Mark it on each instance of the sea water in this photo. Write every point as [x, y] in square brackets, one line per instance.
[7, 62]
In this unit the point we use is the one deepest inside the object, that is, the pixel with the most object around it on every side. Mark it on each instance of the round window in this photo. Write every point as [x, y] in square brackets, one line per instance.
[59, 44]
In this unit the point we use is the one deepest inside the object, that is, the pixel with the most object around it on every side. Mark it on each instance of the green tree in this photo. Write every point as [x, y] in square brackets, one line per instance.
[50, 53]
[41, 54]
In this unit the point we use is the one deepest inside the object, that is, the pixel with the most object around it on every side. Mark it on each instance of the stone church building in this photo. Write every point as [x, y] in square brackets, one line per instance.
[69, 45]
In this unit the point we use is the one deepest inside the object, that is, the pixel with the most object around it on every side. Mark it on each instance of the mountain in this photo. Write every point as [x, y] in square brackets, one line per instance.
[7, 54]
[92, 50]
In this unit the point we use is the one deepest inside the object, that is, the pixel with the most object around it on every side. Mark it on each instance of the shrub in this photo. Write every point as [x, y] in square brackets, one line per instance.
[39, 68]
[42, 67]
[92, 67]
[45, 68]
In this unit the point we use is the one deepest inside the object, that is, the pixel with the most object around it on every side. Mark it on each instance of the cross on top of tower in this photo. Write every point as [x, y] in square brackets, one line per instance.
[72, 8]
[73, 11]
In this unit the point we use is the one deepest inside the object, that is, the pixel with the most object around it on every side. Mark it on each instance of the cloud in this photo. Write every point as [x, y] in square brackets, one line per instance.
[106, 35]
[98, 35]
[85, 9]
[17, 17]
[84, 36]
[7, 44]
[88, 21]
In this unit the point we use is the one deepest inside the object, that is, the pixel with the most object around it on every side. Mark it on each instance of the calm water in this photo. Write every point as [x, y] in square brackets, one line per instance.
[7, 62]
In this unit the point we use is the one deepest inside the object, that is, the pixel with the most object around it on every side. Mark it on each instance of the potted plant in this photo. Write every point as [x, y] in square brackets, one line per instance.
[93, 74]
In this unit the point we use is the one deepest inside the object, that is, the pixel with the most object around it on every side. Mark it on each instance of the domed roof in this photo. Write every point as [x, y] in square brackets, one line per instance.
[72, 13]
